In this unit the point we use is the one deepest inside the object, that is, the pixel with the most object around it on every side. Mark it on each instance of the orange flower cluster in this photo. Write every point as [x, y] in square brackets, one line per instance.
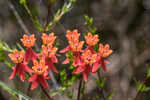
[42, 62]
[87, 60]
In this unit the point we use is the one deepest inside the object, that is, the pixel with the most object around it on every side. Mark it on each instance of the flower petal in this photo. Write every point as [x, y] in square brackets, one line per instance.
[21, 75]
[65, 49]
[13, 73]
[44, 83]
[79, 69]
[34, 85]
[95, 67]
[103, 65]
[27, 69]
[66, 61]
[86, 74]
[32, 78]
[54, 59]
[50, 65]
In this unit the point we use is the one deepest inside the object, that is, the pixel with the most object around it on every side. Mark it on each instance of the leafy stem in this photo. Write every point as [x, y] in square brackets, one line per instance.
[139, 92]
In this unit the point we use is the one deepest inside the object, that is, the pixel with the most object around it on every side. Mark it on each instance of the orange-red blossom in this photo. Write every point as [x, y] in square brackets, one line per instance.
[20, 67]
[40, 74]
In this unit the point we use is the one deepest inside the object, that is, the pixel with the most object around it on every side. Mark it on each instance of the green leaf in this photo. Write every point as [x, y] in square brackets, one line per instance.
[89, 23]
[52, 1]
[141, 87]
[2, 53]
[63, 76]
[20, 47]
[9, 64]
[14, 92]
[70, 56]
[23, 2]
[148, 72]
[71, 67]
[61, 89]
[101, 83]
[110, 96]
[66, 8]
[70, 95]
[146, 89]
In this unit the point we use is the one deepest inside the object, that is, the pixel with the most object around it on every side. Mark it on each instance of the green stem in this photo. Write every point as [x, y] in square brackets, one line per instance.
[101, 90]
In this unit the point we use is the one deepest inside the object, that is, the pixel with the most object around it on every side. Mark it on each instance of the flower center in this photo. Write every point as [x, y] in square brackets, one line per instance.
[28, 40]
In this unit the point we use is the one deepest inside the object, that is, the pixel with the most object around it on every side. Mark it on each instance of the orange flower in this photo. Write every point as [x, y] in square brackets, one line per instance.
[49, 51]
[91, 40]
[76, 46]
[39, 68]
[88, 57]
[104, 50]
[74, 35]
[17, 56]
[20, 68]
[40, 74]
[28, 41]
[48, 39]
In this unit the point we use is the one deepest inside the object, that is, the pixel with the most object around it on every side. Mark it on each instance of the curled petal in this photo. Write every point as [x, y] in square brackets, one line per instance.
[13, 73]
[27, 69]
[58, 55]
[47, 77]
[54, 59]
[86, 74]
[79, 69]
[21, 75]
[65, 49]
[106, 62]
[103, 65]
[34, 85]
[33, 78]
[66, 61]
[95, 67]
[50, 65]
[54, 68]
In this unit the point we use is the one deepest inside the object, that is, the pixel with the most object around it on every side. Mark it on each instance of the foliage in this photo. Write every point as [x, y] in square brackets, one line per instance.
[14, 92]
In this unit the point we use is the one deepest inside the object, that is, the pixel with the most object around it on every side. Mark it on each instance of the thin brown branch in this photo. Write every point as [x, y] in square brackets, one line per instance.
[48, 16]
[79, 89]
[28, 89]
[45, 92]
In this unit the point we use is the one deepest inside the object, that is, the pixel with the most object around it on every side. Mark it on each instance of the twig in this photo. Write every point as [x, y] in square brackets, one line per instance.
[28, 90]
[48, 15]
[11, 6]
[21, 23]
[79, 89]
[66, 8]
[45, 92]
[53, 80]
